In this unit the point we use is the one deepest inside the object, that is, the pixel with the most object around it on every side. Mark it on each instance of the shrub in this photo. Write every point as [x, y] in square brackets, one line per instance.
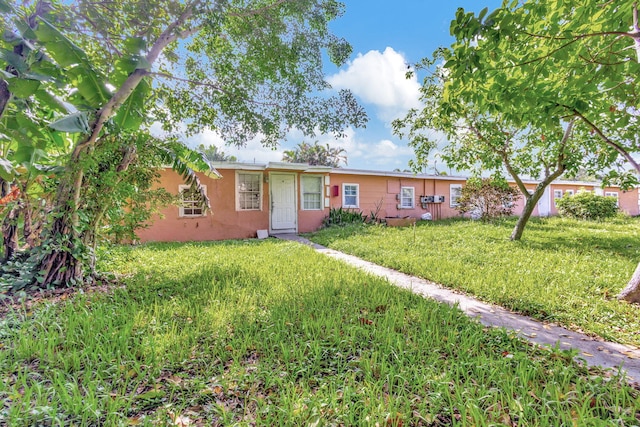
[339, 216]
[487, 198]
[587, 205]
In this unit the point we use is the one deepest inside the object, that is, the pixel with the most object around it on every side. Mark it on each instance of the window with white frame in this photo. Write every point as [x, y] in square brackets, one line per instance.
[311, 192]
[455, 191]
[350, 196]
[569, 192]
[613, 194]
[248, 191]
[191, 203]
[407, 197]
[557, 194]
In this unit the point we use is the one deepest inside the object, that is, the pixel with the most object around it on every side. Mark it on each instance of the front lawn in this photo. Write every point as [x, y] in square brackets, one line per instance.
[271, 333]
[563, 271]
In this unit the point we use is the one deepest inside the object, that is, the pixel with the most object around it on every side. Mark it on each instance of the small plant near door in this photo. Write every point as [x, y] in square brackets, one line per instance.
[339, 216]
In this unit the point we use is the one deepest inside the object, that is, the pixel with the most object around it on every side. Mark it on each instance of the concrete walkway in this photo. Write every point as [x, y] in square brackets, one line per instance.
[593, 351]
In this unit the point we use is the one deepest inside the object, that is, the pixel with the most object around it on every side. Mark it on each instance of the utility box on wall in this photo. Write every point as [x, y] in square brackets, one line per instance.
[335, 191]
[426, 199]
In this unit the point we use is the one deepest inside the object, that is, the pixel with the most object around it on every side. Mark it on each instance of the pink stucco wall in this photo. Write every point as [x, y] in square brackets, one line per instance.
[224, 221]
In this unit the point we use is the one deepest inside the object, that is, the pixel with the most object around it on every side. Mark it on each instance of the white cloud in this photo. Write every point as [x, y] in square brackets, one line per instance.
[381, 155]
[380, 79]
[361, 151]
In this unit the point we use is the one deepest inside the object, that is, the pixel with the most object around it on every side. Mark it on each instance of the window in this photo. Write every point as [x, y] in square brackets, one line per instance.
[191, 203]
[557, 194]
[249, 191]
[407, 199]
[613, 194]
[568, 192]
[350, 196]
[455, 191]
[311, 192]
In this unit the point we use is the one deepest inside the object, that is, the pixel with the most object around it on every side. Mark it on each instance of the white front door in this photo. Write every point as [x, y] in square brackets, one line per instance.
[283, 202]
[544, 204]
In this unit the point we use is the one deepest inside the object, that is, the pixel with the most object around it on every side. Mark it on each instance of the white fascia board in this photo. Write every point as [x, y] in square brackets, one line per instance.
[303, 167]
[239, 166]
[396, 174]
[212, 173]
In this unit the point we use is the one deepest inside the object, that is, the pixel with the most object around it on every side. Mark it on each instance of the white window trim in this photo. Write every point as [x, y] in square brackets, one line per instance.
[319, 193]
[413, 198]
[557, 194]
[181, 213]
[453, 199]
[613, 194]
[237, 191]
[344, 203]
[569, 192]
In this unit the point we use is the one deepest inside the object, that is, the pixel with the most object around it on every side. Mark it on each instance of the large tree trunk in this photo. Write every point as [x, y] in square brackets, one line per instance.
[10, 233]
[529, 206]
[631, 293]
[62, 264]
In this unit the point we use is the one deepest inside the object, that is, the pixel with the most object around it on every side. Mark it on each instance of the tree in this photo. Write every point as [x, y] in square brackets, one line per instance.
[480, 140]
[487, 198]
[316, 154]
[214, 154]
[547, 61]
[242, 68]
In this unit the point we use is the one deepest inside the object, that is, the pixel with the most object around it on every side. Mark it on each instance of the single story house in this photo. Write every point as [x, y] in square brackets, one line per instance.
[295, 198]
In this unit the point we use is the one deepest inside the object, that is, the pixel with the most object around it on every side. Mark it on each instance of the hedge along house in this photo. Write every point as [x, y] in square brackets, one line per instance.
[278, 198]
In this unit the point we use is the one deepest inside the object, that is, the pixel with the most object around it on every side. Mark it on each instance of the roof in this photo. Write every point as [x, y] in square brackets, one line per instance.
[304, 167]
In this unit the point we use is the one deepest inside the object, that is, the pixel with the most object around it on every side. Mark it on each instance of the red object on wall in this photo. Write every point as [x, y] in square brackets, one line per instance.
[335, 191]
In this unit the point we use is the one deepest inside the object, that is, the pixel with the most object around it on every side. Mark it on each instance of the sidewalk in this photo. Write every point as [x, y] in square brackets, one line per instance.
[593, 351]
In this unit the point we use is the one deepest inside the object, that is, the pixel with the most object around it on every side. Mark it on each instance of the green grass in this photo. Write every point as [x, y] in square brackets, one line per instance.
[563, 271]
[272, 333]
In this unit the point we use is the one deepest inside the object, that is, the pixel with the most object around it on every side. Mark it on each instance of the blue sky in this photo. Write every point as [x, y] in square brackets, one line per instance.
[385, 36]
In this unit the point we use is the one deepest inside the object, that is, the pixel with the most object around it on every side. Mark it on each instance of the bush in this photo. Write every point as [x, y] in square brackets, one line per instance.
[587, 205]
[487, 198]
[339, 216]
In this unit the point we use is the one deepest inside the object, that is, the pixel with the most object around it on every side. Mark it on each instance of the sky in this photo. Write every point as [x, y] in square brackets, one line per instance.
[386, 36]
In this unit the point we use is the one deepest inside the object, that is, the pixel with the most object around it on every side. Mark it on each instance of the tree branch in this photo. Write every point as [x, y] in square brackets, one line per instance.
[168, 36]
[624, 153]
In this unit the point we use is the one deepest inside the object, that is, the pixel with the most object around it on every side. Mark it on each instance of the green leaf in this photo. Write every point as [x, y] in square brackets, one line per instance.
[135, 45]
[482, 13]
[122, 68]
[63, 50]
[6, 169]
[5, 7]
[50, 101]
[23, 88]
[131, 113]
[73, 123]
[90, 86]
[13, 59]
[23, 154]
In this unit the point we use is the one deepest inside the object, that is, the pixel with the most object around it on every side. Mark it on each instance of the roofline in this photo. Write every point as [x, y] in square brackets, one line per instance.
[304, 167]
[345, 171]
[211, 173]
[448, 177]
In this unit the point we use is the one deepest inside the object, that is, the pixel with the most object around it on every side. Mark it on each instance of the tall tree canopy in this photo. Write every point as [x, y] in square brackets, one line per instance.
[316, 154]
[542, 62]
[93, 70]
[214, 154]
